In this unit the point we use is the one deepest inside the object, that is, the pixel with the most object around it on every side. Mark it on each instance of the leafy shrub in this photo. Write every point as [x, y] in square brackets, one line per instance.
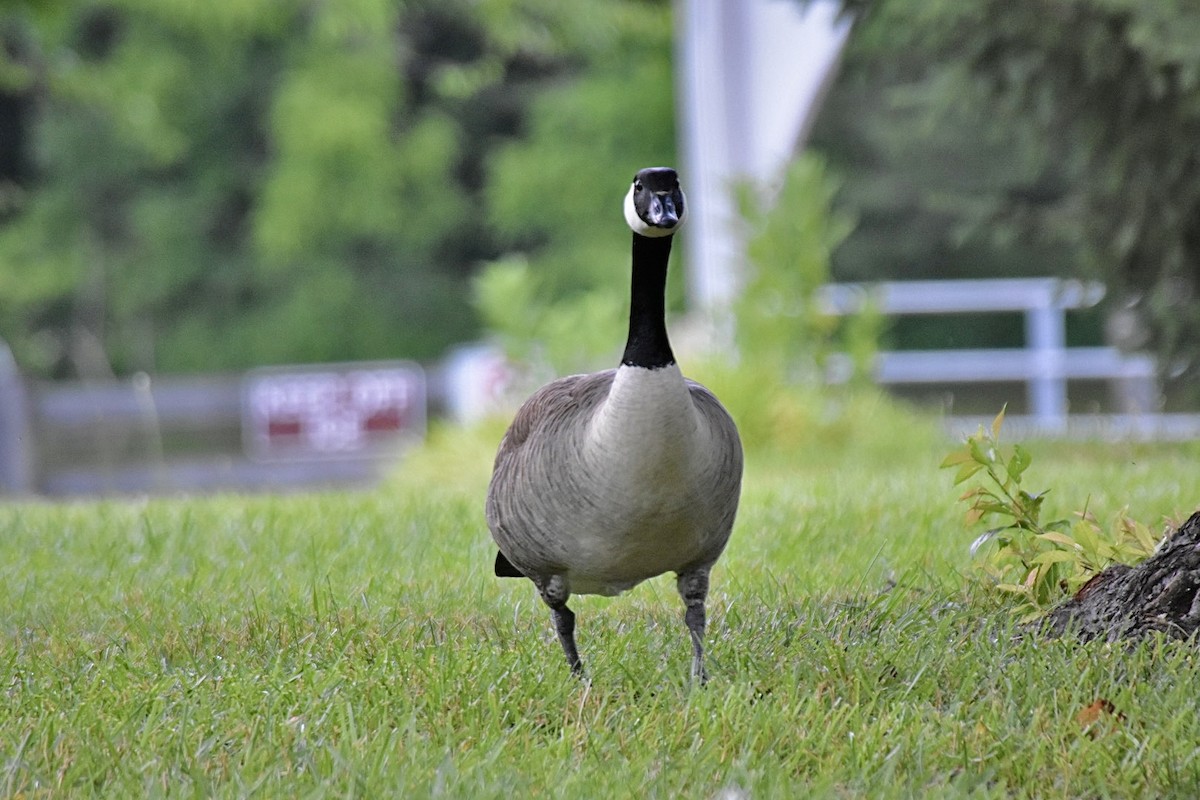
[813, 422]
[1039, 562]
[780, 319]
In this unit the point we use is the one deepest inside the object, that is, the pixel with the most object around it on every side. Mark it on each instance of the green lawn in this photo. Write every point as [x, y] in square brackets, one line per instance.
[356, 645]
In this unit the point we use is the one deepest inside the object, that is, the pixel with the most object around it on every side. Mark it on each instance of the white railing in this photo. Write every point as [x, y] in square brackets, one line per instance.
[1045, 364]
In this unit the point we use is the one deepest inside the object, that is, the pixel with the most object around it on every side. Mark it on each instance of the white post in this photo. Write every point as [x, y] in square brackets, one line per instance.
[750, 75]
[1046, 337]
[16, 446]
[714, 113]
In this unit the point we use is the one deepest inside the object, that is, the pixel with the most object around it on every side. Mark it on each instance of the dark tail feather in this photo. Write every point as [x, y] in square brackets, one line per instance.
[505, 569]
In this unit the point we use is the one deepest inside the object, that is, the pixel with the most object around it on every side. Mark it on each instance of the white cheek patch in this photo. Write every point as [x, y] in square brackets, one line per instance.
[638, 225]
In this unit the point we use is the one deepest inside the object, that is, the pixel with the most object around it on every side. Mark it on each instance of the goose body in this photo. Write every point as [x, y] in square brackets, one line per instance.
[647, 488]
[607, 479]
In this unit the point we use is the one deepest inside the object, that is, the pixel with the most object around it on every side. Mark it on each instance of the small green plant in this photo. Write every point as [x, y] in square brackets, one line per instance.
[1039, 562]
[780, 318]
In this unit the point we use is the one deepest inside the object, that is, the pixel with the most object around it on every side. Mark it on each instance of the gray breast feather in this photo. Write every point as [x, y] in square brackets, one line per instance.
[551, 514]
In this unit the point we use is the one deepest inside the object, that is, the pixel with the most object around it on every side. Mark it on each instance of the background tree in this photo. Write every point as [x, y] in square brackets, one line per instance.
[218, 186]
[1086, 112]
[561, 287]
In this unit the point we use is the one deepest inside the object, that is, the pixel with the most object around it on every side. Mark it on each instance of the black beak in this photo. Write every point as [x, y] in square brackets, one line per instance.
[662, 212]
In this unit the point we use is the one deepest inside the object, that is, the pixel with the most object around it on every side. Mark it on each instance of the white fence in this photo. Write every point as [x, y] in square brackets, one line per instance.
[1045, 364]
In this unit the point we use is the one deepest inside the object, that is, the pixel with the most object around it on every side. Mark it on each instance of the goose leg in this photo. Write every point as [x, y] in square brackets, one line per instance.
[555, 593]
[693, 588]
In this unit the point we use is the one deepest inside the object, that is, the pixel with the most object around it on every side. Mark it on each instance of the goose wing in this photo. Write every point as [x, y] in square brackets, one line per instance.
[716, 419]
[565, 401]
[723, 470]
[556, 407]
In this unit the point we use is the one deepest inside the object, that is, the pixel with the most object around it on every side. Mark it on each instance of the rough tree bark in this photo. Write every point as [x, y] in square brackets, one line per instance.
[1160, 595]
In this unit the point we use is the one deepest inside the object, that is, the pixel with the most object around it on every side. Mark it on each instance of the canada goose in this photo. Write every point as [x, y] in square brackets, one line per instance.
[606, 479]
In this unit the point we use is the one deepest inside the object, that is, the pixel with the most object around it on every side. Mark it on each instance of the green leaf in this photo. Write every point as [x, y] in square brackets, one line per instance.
[960, 456]
[973, 492]
[1086, 536]
[1059, 538]
[1019, 462]
[993, 507]
[1145, 539]
[966, 471]
[1032, 505]
[1055, 557]
[978, 454]
[998, 422]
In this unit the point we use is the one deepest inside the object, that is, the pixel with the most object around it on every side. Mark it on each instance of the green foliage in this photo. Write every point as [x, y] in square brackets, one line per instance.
[780, 321]
[777, 388]
[556, 298]
[1071, 127]
[1039, 562]
[928, 171]
[561, 336]
[217, 186]
[795, 419]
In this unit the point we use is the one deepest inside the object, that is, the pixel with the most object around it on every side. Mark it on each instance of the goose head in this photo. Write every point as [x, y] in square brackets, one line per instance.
[655, 205]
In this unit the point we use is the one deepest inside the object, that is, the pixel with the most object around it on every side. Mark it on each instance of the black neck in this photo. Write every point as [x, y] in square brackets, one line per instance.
[647, 345]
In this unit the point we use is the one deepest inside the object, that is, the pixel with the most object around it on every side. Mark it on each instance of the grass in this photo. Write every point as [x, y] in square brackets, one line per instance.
[356, 645]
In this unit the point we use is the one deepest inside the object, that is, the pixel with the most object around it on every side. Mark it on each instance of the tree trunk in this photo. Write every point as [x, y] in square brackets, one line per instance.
[1161, 595]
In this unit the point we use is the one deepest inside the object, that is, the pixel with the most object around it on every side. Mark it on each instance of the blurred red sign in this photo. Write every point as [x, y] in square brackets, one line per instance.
[335, 411]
